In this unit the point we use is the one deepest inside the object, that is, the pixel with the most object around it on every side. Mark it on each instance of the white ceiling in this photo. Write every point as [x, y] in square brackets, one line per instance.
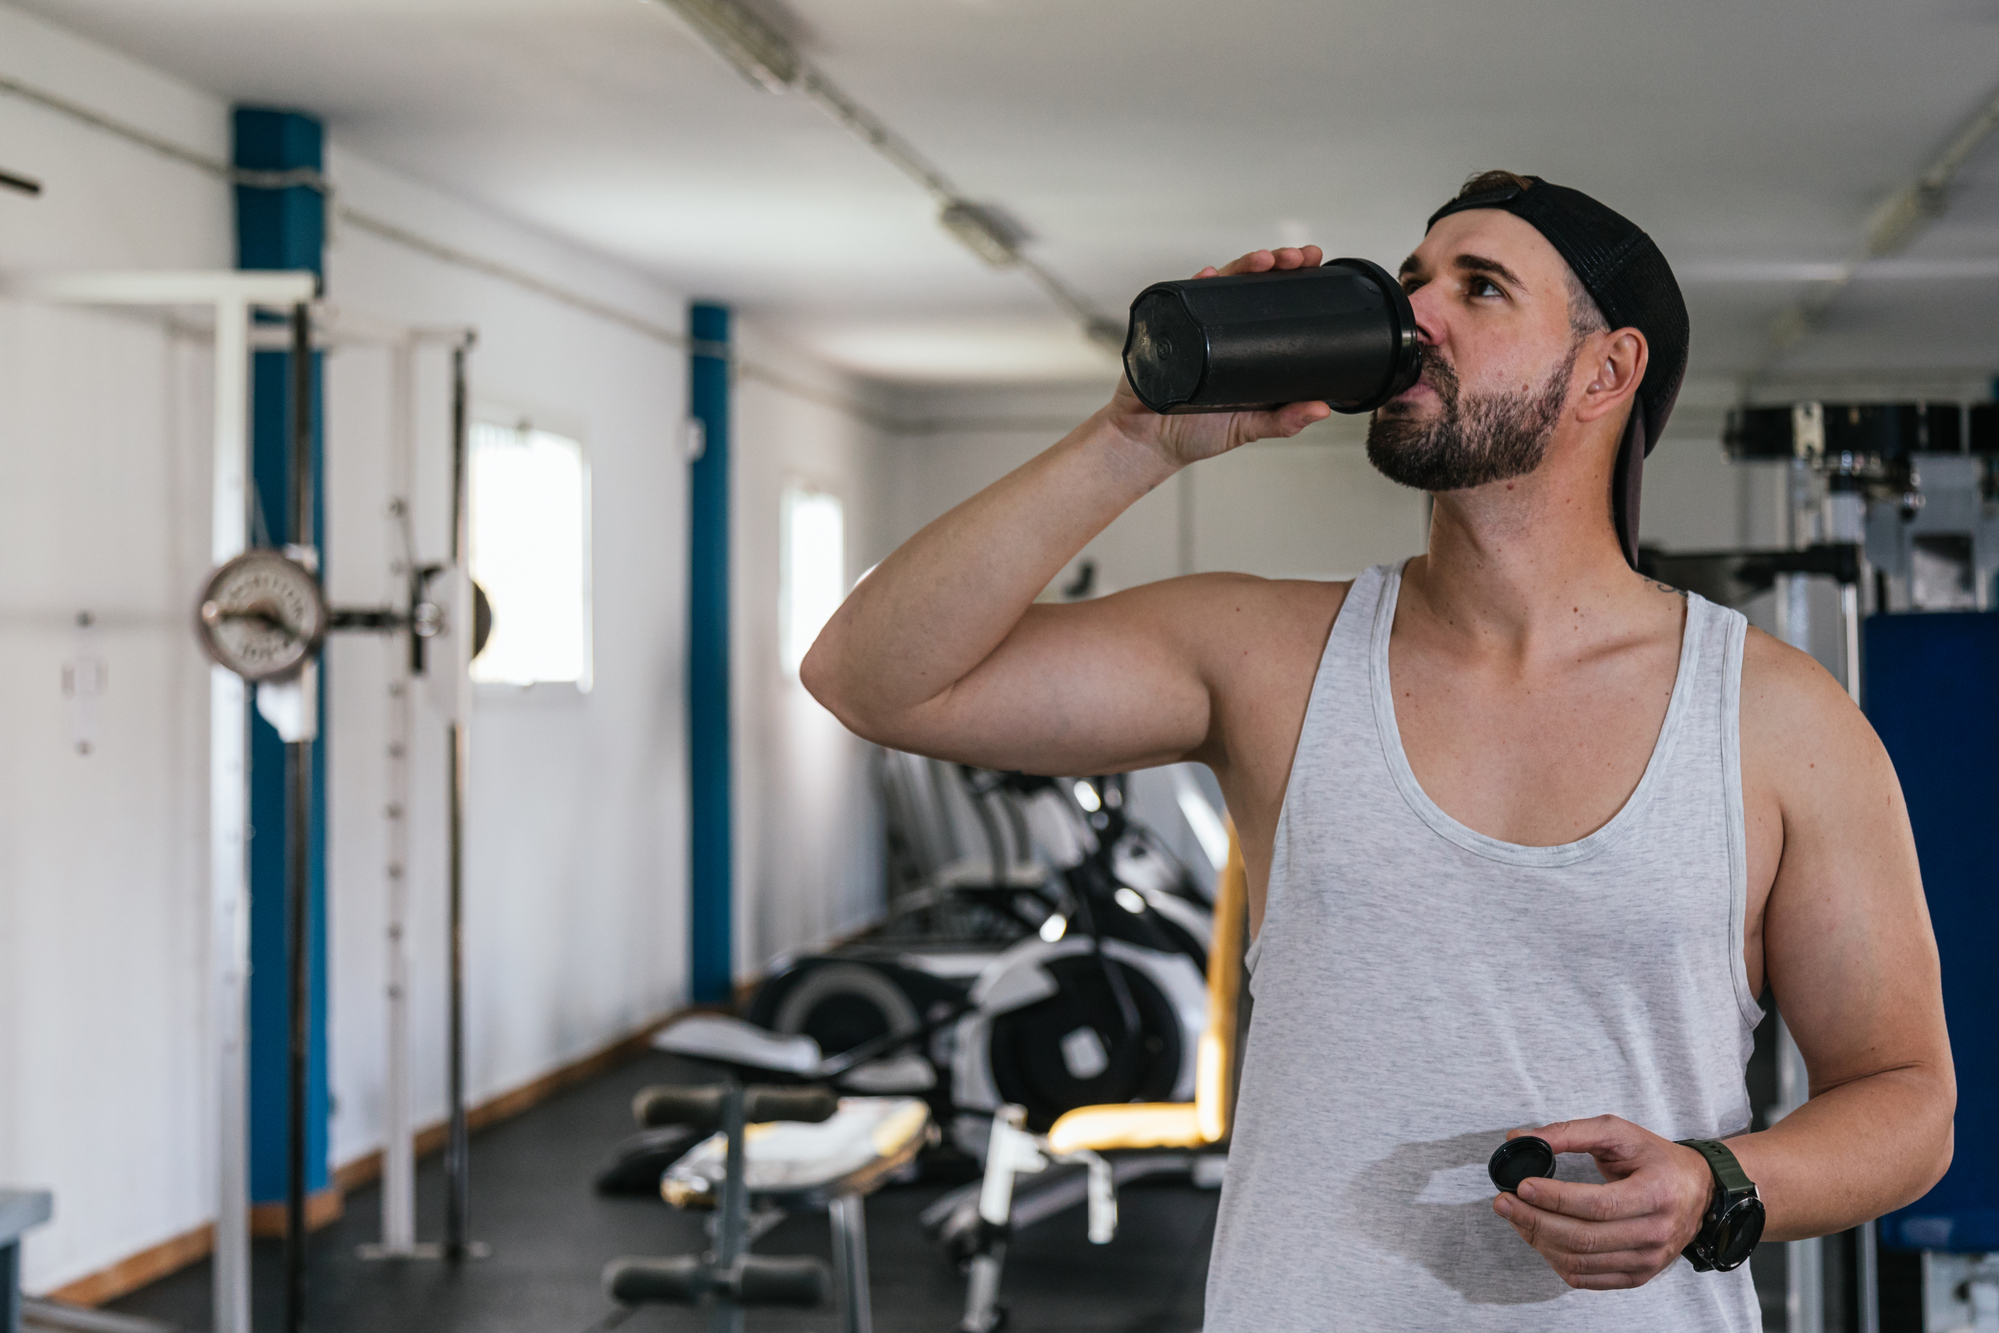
[1137, 139]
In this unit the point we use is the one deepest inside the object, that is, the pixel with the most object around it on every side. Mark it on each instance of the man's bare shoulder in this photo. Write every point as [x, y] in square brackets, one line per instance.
[1249, 594]
[1799, 726]
[1232, 616]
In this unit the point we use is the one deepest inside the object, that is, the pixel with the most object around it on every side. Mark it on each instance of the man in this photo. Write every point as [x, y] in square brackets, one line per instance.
[1527, 834]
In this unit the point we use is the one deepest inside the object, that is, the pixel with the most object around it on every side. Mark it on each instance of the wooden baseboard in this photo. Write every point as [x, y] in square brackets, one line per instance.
[175, 1253]
[322, 1208]
[134, 1271]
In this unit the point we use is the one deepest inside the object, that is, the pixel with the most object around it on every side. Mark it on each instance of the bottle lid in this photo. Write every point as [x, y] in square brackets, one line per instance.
[1520, 1159]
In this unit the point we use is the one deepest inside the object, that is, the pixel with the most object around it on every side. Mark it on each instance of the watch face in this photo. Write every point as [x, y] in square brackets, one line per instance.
[262, 615]
[1741, 1226]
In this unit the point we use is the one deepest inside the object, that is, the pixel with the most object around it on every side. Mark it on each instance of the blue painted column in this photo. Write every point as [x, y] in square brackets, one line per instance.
[282, 229]
[711, 878]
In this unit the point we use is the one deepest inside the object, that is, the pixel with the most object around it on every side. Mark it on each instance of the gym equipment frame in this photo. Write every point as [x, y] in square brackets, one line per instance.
[235, 297]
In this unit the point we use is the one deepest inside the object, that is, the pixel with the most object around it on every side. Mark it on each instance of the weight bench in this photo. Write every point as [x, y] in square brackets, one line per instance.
[635, 1166]
[779, 1150]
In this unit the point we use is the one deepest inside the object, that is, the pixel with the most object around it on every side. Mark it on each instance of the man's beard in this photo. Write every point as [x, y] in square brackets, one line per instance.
[1473, 440]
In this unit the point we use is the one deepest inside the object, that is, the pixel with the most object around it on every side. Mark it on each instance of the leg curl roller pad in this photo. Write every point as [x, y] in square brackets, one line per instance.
[697, 1108]
[681, 1280]
[768, 1279]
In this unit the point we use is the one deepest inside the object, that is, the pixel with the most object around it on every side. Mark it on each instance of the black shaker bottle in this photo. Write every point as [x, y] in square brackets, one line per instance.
[1342, 333]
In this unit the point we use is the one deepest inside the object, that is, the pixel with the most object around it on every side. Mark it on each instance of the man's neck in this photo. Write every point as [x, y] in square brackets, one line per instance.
[1512, 562]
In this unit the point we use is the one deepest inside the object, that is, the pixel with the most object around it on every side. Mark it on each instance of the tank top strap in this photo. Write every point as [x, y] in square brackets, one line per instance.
[1342, 675]
[1353, 628]
[1718, 723]
[1339, 692]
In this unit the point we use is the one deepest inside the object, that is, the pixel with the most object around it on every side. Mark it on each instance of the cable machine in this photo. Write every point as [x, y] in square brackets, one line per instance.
[1897, 506]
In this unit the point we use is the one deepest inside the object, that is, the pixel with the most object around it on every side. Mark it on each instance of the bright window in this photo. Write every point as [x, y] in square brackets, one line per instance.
[530, 552]
[814, 569]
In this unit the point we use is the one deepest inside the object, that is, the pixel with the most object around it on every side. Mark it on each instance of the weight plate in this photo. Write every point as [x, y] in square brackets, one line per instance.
[261, 615]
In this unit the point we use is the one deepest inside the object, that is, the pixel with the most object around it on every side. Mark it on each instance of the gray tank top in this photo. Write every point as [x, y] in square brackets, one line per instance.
[1421, 988]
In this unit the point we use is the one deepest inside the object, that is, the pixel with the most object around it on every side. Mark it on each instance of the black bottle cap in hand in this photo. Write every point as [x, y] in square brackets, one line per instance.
[1521, 1159]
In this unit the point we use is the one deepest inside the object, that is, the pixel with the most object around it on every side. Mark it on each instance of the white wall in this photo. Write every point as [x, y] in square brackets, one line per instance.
[104, 1078]
[576, 902]
[808, 826]
[576, 869]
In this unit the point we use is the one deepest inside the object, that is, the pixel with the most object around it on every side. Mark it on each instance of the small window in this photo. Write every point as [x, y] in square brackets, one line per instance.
[814, 570]
[530, 552]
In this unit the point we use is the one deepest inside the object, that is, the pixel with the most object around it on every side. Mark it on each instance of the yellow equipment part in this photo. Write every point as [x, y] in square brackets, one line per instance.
[1204, 1120]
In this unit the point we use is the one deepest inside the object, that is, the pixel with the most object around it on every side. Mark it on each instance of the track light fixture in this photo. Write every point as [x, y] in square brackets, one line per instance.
[753, 48]
[985, 233]
[764, 56]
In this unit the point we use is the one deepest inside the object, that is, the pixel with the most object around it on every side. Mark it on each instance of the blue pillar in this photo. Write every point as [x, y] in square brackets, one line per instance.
[282, 229]
[711, 877]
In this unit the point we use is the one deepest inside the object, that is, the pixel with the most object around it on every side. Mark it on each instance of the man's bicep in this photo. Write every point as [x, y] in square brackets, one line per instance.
[1850, 954]
[1090, 687]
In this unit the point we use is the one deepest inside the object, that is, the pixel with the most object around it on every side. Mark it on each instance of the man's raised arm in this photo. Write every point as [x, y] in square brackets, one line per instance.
[942, 651]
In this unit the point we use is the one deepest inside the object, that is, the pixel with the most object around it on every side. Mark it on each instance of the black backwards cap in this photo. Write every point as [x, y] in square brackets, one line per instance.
[1633, 285]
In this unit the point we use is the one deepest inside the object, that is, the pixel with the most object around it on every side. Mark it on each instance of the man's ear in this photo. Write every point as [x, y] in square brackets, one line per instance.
[1614, 368]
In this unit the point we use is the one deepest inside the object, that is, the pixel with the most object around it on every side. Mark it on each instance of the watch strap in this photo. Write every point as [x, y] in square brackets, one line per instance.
[1728, 1172]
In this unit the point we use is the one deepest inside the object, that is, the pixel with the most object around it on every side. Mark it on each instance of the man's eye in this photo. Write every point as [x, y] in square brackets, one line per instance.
[1485, 287]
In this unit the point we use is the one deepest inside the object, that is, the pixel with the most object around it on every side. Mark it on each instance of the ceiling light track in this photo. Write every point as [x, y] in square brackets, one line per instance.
[1892, 228]
[768, 60]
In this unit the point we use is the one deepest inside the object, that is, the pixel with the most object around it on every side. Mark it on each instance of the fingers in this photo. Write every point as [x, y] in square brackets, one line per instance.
[1593, 1203]
[1638, 1274]
[1281, 423]
[1541, 1228]
[1619, 1234]
[1593, 1255]
[1265, 261]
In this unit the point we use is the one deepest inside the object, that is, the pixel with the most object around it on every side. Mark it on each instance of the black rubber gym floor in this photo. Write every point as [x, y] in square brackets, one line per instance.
[551, 1236]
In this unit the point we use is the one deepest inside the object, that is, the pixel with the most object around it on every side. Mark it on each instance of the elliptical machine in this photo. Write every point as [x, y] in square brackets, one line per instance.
[1126, 958]
[1114, 962]
[1103, 1002]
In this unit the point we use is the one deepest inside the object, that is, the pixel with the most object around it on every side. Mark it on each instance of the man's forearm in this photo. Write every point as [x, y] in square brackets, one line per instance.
[946, 598]
[1851, 1153]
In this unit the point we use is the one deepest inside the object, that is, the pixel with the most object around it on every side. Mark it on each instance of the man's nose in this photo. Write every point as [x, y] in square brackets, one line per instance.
[1428, 305]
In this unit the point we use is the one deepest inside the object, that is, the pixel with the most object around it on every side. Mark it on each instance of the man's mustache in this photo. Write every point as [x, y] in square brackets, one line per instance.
[1440, 375]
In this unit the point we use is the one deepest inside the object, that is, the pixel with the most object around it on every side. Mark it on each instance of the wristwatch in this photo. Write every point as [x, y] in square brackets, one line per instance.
[1734, 1221]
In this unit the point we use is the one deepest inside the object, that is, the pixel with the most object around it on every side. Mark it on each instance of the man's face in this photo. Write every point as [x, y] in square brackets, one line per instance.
[1491, 298]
